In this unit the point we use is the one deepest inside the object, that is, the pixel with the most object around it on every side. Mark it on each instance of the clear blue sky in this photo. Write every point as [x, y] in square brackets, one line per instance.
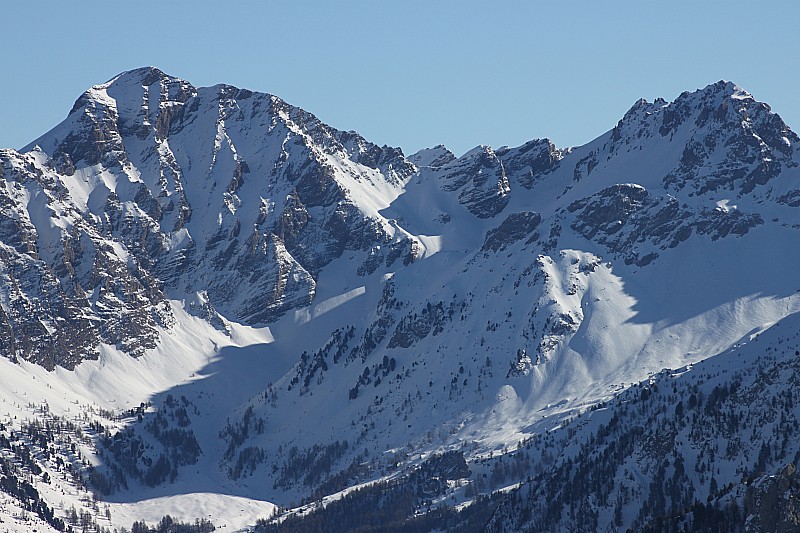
[408, 73]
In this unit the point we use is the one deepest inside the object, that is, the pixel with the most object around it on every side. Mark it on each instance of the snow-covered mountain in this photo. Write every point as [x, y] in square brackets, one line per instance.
[217, 298]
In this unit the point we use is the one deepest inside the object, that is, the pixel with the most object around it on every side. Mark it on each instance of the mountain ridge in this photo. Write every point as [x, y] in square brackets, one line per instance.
[391, 307]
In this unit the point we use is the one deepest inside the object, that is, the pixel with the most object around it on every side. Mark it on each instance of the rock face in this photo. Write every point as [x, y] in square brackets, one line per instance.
[531, 162]
[65, 287]
[624, 217]
[772, 503]
[515, 227]
[479, 179]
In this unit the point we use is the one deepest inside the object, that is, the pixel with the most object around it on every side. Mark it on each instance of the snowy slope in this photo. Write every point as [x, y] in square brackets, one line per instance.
[683, 444]
[305, 311]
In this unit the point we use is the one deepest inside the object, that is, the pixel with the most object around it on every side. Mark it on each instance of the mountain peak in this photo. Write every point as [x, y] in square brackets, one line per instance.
[142, 75]
[437, 156]
[131, 84]
[711, 96]
[726, 88]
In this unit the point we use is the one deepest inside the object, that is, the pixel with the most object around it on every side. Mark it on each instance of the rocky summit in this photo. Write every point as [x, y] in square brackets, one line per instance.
[208, 295]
